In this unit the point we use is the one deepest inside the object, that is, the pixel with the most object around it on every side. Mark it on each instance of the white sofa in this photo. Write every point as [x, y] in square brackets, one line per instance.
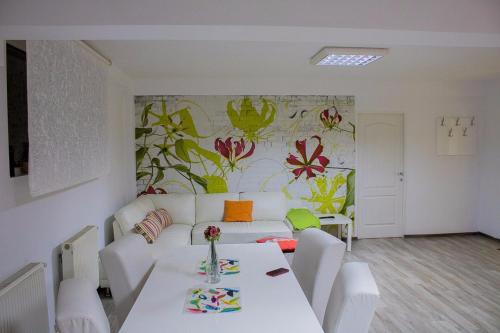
[191, 214]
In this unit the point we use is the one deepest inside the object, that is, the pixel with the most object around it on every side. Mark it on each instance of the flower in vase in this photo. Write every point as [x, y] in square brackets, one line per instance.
[212, 233]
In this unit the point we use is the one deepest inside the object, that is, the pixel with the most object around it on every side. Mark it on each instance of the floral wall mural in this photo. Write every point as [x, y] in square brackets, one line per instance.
[300, 145]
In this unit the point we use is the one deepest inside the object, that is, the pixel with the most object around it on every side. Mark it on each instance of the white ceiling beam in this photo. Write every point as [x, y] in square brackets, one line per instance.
[326, 36]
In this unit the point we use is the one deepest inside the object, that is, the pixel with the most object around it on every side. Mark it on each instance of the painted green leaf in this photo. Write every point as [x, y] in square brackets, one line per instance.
[139, 155]
[199, 180]
[155, 161]
[186, 123]
[145, 114]
[353, 131]
[181, 168]
[216, 184]
[165, 149]
[141, 174]
[159, 176]
[185, 147]
[351, 184]
[140, 131]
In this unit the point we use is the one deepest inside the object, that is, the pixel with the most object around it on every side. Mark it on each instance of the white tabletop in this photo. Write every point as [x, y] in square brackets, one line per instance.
[269, 304]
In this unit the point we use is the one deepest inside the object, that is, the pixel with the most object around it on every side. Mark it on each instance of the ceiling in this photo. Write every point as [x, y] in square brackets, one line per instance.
[238, 59]
[478, 16]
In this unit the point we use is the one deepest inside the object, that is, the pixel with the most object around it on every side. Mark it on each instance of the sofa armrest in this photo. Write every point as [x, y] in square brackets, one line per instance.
[117, 230]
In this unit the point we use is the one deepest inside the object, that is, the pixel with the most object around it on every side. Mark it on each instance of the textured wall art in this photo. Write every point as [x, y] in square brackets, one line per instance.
[300, 145]
[66, 115]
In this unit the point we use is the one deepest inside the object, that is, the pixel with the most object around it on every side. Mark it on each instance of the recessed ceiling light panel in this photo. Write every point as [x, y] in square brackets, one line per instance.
[345, 56]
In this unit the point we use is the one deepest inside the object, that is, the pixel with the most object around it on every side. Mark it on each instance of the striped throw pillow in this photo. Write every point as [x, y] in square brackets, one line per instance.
[154, 222]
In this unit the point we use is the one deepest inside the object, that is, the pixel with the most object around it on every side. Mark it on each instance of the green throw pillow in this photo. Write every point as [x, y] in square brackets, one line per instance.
[302, 218]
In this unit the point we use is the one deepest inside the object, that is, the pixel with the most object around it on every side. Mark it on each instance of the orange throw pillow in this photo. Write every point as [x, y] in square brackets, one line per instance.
[238, 211]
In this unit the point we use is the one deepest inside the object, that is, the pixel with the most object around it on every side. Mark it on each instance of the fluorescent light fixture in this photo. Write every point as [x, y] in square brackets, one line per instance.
[346, 56]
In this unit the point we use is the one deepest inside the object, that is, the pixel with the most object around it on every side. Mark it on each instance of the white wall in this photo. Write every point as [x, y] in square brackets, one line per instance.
[34, 228]
[440, 190]
[488, 207]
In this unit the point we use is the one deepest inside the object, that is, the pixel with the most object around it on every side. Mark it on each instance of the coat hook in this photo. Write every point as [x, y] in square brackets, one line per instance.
[450, 132]
[465, 132]
[442, 122]
[472, 121]
[458, 122]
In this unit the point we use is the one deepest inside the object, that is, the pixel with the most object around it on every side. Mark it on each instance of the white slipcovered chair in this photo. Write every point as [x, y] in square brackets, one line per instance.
[79, 309]
[353, 300]
[127, 263]
[316, 261]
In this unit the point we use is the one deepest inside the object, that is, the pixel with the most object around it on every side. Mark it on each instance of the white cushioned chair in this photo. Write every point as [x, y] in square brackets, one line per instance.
[353, 300]
[79, 309]
[316, 262]
[127, 263]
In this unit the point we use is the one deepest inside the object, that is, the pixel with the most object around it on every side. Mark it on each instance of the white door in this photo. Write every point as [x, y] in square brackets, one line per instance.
[380, 176]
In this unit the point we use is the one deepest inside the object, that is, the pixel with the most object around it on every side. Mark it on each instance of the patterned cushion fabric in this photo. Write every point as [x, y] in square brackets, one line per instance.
[154, 222]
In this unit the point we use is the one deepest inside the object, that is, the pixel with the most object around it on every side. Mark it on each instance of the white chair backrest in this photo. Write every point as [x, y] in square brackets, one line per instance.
[353, 300]
[316, 261]
[79, 309]
[127, 263]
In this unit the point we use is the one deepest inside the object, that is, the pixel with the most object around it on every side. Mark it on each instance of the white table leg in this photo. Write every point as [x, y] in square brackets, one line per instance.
[349, 236]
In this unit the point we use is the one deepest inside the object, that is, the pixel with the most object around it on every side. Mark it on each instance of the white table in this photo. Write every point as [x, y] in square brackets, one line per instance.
[338, 219]
[269, 304]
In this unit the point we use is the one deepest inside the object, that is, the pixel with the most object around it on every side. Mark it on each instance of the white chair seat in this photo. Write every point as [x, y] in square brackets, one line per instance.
[79, 309]
[242, 232]
[353, 300]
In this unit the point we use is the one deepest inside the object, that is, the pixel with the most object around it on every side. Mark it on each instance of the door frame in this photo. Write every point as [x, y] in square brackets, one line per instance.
[403, 162]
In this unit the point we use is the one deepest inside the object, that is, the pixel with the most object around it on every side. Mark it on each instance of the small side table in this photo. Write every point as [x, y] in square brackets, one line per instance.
[338, 219]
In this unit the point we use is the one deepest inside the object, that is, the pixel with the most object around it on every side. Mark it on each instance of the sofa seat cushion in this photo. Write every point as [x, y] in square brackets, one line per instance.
[242, 232]
[176, 235]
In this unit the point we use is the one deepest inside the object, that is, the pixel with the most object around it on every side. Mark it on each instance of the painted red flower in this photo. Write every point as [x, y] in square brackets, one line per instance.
[152, 190]
[308, 165]
[233, 151]
[330, 121]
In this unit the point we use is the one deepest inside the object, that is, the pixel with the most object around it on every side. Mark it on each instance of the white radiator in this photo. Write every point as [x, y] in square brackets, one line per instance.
[23, 301]
[80, 257]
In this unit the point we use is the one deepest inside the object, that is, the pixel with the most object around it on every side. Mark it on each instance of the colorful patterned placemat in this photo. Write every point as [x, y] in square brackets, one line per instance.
[213, 300]
[227, 267]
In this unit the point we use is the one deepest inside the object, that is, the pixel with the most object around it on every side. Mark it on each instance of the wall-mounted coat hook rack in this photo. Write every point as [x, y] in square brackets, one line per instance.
[464, 133]
[473, 119]
[442, 122]
[458, 122]
[450, 132]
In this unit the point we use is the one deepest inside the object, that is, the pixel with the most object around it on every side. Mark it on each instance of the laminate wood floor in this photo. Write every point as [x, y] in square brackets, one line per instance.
[434, 284]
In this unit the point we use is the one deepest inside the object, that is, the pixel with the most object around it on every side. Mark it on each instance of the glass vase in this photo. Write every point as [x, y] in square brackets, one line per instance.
[212, 264]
